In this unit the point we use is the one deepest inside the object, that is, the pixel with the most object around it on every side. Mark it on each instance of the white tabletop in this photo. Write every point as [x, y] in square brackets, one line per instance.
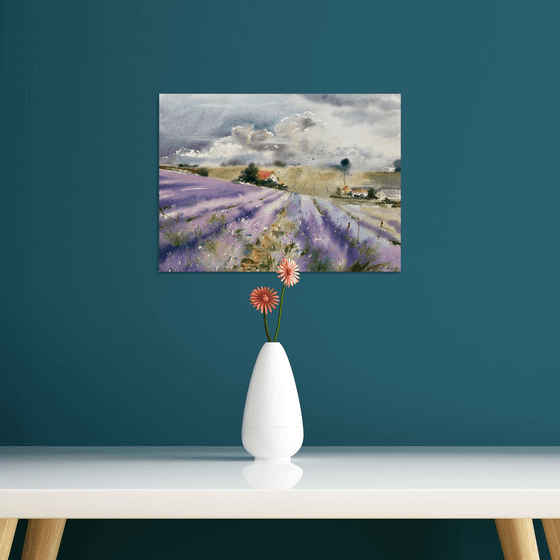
[321, 482]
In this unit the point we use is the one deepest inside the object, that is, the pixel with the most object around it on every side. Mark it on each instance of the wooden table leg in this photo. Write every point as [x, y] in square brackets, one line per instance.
[42, 539]
[517, 537]
[7, 532]
[552, 532]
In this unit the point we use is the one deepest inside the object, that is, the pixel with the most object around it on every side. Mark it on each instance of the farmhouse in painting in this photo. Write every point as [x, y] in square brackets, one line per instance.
[391, 193]
[360, 193]
[268, 176]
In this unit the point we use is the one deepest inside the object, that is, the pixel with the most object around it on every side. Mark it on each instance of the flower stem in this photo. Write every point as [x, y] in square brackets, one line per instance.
[266, 327]
[280, 313]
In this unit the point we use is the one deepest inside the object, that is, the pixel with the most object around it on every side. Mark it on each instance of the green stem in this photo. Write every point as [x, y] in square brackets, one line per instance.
[280, 313]
[266, 327]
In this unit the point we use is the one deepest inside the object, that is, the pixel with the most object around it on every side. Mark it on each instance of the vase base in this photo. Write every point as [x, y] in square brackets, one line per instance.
[272, 444]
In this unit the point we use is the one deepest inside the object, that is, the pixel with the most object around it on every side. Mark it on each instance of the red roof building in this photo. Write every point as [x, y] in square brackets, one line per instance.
[264, 175]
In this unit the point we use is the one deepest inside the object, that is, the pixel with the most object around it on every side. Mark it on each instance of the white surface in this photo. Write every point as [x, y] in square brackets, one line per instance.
[337, 482]
[272, 428]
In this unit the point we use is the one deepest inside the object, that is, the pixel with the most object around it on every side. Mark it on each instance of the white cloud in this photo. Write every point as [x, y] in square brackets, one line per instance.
[306, 130]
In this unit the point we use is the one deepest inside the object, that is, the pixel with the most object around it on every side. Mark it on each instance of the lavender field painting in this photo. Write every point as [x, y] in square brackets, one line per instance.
[245, 180]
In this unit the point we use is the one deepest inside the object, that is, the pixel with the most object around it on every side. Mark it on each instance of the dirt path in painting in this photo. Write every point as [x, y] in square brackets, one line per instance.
[260, 256]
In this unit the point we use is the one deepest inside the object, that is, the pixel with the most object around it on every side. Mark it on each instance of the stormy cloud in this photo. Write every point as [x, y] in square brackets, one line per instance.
[314, 129]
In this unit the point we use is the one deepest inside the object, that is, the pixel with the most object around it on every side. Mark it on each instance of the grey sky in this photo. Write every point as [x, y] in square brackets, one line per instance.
[304, 129]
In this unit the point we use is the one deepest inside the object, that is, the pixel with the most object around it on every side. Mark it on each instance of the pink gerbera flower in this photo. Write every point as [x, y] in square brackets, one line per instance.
[288, 272]
[264, 299]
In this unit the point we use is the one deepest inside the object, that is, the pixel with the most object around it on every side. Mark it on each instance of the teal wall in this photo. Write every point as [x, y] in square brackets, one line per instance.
[98, 348]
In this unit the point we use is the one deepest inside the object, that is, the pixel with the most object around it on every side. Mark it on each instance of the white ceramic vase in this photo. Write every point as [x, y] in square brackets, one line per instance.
[272, 427]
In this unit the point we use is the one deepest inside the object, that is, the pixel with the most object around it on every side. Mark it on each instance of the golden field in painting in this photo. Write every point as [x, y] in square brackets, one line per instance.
[314, 181]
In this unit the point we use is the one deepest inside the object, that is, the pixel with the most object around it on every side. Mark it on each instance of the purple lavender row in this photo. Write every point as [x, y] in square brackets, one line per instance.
[219, 244]
[219, 216]
[201, 213]
[208, 211]
[190, 201]
[234, 242]
[187, 244]
[364, 236]
[338, 241]
[242, 236]
[193, 188]
[224, 235]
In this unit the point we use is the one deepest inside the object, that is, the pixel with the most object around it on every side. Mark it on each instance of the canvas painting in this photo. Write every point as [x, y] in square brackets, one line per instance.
[247, 179]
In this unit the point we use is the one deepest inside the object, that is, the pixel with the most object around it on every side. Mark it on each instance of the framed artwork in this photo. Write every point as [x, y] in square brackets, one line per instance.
[247, 179]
